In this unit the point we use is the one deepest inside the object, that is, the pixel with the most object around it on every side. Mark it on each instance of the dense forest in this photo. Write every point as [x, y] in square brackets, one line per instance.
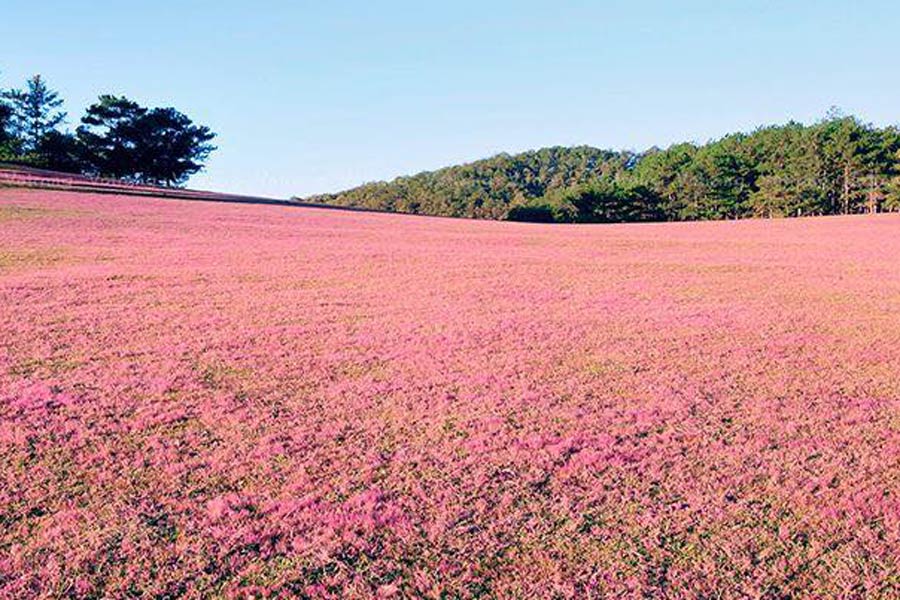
[839, 165]
[117, 137]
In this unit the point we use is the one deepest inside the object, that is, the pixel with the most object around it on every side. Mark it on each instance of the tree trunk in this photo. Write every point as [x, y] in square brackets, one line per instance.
[846, 191]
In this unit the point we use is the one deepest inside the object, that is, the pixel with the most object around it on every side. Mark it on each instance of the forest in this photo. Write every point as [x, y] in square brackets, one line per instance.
[838, 165]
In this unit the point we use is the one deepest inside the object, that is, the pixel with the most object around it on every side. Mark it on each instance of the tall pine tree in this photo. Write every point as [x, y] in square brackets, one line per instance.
[35, 113]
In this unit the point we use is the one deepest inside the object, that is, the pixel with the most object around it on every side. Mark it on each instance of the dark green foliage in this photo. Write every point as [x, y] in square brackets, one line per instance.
[170, 147]
[33, 113]
[604, 201]
[486, 188]
[60, 152]
[106, 133]
[127, 141]
[839, 165]
[7, 150]
[118, 138]
[534, 213]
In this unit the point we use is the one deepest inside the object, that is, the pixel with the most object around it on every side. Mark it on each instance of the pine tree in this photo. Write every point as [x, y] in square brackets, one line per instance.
[34, 114]
[125, 140]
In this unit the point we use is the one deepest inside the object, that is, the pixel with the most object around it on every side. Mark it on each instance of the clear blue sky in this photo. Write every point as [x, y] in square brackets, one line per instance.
[317, 96]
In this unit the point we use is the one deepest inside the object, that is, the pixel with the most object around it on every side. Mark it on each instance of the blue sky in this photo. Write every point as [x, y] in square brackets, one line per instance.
[317, 96]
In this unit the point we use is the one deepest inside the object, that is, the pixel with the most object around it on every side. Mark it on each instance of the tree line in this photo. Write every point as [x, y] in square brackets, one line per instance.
[838, 165]
[116, 138]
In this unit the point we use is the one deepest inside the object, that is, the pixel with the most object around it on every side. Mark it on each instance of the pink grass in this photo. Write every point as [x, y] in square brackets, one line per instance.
[206, 399]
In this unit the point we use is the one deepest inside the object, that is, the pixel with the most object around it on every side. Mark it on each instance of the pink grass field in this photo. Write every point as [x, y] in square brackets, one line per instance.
[220, 400]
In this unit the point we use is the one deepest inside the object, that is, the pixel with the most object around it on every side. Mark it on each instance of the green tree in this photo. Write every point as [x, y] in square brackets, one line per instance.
[534, 212]
[723, 180]
[838, 165]
[7, 146]
[34, 113]
[598, 201]
[666, 172]
[487, 188]
[788, 163]
[60, 151]
[169, 147]
[857, 161]
[124, 140]
[888, 197]
[107, 134]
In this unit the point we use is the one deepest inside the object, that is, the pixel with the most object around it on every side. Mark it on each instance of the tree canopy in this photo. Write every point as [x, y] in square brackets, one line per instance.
[125, 140]
[117, 137]
[839, 165]
[487, 188]
[7, 150]
[32, 114]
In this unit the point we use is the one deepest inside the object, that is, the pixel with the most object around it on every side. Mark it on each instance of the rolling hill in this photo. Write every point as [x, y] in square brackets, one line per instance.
[236, 400]
[838, 165]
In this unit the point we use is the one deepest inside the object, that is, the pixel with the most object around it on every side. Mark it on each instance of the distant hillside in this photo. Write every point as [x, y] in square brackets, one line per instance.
[839, 165]
[486, 188]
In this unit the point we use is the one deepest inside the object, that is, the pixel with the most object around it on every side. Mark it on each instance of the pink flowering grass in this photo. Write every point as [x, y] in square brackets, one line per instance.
[202, 399]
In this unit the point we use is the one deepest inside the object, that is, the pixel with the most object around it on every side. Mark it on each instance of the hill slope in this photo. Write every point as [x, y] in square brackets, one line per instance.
[230, 400]
[836, 166]
[485, 188]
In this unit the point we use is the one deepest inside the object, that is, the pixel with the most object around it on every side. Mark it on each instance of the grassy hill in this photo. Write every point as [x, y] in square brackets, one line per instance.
[205, 400]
